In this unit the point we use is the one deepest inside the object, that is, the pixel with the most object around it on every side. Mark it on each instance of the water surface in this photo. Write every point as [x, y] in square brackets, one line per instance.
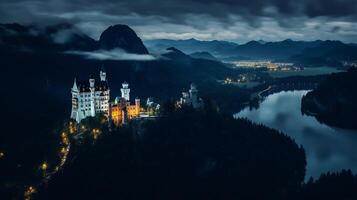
[327, 148]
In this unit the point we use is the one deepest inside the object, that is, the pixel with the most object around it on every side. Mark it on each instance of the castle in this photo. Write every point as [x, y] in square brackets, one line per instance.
[121, 110]
[90, 97]
[93, 97]
[191, 98]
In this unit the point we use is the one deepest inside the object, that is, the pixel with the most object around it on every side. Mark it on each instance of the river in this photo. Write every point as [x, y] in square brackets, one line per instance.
[327, 148]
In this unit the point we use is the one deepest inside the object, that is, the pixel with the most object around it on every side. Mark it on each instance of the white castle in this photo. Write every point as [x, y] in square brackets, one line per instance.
[191, 98]
[90, 97]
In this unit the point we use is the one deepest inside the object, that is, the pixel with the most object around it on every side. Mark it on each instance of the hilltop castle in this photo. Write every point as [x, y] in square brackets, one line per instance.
[93, 97]
[90, 97]
[190, 98]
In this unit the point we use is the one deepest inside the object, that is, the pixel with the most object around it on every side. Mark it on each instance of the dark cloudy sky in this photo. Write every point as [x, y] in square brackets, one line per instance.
[234, 20]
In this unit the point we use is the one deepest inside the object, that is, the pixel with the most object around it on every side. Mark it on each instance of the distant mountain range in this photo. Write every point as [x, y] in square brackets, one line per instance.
[203, 55]
[303, 52]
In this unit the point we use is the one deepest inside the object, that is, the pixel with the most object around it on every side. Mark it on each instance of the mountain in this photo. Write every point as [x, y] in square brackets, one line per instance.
[123, 37]
[60, 37]
[203, 55]
[310, 53]
[334, 100]
[65, 37]
[273, 50]
[224, 50]
[175, 54]
[215, 47]
[330, 53]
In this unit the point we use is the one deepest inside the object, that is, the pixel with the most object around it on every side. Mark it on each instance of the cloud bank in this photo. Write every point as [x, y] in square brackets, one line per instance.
[115, 54]
[203, 19]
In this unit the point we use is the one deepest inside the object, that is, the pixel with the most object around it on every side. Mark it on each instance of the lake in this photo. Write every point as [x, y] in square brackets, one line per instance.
[308, 71]
[327, 148]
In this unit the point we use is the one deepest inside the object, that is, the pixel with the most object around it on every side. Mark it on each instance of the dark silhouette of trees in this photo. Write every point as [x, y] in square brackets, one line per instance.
[334, 100]
[341, 185]
[187, 154]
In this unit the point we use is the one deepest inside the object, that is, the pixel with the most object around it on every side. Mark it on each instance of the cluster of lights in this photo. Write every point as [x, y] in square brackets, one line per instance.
[29, 192]
[64, 149]
[96, 132]
[65, 139]
[72, 128]
[228, 80]
[44, 166]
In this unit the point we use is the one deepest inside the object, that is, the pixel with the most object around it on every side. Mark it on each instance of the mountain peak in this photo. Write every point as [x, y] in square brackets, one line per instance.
[253, 43]
[203, 55]
[122, 36]
[174, 53]
[287, 40]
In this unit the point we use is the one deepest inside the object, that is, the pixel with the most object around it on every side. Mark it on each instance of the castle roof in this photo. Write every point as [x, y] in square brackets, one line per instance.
[84, 86]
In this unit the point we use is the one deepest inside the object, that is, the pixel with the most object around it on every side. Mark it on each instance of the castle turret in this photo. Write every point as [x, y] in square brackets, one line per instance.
[74, 91]
[92, 95]
[137, 106]
[91, 81]
[103, 75]
[125, 91]
[75, 87]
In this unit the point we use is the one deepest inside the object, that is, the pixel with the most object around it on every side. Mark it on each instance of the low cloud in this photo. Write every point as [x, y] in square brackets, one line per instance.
[63, 36]
[115, 54]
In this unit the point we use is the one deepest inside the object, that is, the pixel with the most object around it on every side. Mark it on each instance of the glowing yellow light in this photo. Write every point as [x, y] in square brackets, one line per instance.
[44, 166]
[29, 191]
[63, 150]
[2, 154]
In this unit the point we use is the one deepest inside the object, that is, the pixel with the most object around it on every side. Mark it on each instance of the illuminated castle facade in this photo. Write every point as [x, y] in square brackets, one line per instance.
[191, 98]
[122, 110]
[90, 97]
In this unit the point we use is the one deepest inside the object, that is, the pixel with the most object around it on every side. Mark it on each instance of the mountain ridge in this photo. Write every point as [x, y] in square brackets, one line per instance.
[285, 50]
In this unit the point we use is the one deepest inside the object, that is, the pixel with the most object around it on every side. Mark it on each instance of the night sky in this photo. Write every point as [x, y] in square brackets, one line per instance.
[233, 20]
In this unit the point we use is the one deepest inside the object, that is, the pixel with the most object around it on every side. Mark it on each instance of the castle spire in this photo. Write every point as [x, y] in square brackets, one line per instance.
[102, 74]
[75, 84]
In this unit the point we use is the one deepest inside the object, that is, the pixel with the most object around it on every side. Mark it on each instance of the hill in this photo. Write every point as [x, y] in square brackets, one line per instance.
[329, 53]
[185, 155]
[334, 101]
[203, 55]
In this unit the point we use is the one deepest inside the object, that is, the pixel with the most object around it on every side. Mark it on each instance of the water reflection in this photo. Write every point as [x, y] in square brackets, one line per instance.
[327, 148]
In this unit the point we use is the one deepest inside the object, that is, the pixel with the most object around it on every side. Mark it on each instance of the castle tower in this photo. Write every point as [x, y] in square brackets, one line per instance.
[125, 91]
[102, 74]
[194, 95]
[91, 81]
[74, 91]
[137, 106]
[92, 95]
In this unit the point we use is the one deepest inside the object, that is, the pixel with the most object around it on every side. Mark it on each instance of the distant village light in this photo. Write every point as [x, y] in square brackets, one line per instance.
[44, 166]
